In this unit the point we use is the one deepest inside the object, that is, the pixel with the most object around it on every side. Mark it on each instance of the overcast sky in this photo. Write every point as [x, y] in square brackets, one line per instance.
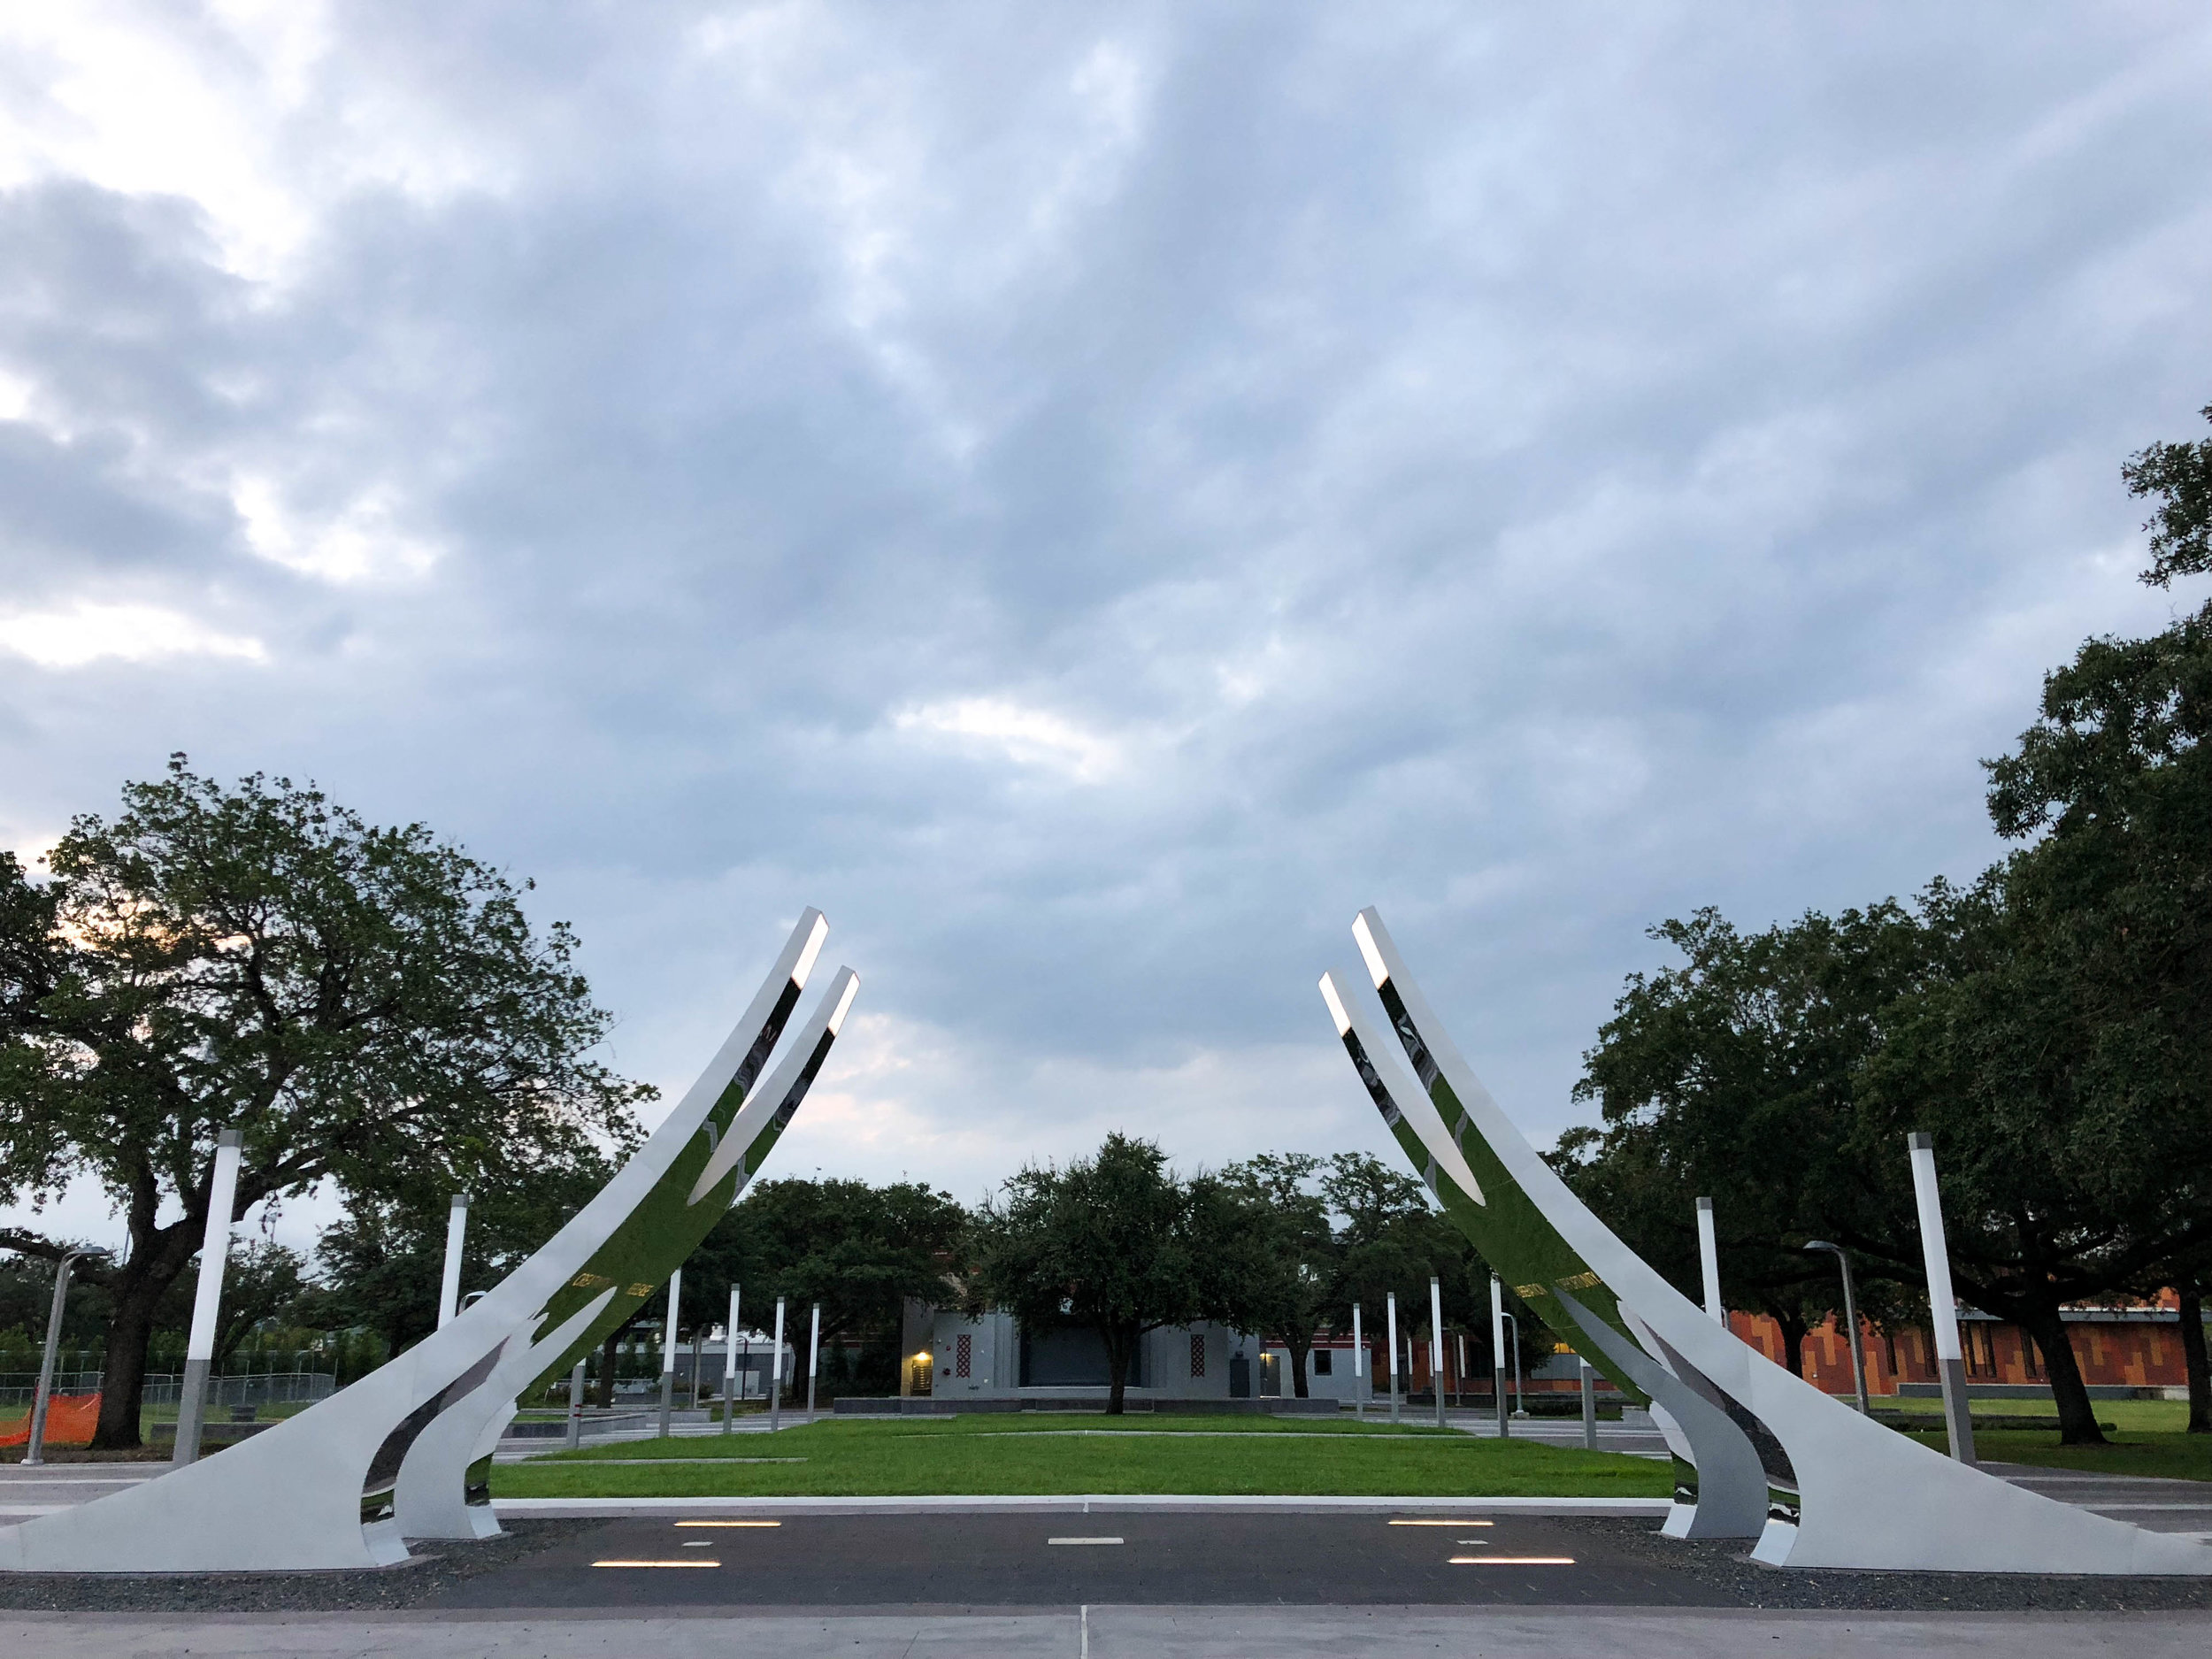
[1091, 497]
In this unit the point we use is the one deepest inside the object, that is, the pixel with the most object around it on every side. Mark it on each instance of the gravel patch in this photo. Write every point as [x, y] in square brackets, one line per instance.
[437, 1569]
[1728, 1567]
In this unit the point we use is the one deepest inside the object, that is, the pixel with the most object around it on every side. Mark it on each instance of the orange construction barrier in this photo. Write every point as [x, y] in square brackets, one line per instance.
[69, 1420]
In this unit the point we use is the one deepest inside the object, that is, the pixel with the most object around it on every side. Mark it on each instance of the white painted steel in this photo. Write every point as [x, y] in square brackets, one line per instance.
[1869, 1496]
[1732, 1502]
[1958, 1419]
[668, 1349]
[1708, 1262]
[1943, 1307]
[291, 1497]
[1436, 1346]
[775, 1392]
[433, 1479]
[215, 1245]
[729, 1368]
[457, 1227]
[199, 1347]
[813, 1359]
[1390, 1304]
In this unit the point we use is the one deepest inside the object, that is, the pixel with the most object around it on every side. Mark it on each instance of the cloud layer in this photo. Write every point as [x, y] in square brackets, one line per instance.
[1091, 500]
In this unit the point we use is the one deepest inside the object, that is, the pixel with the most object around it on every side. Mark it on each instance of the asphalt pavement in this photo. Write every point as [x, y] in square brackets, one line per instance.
[1036, 1559]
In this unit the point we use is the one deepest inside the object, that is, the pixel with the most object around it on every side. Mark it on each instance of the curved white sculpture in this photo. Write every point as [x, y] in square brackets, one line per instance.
[318, 1490]
[1721, 1489]
[1864, 1495]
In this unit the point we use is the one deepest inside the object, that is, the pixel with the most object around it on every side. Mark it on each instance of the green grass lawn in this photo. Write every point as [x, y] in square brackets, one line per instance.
[1040, 1456]
[2169, 1453]
[2169, 1415]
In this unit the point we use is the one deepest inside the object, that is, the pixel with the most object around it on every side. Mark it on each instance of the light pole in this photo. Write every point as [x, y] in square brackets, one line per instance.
[668, 1351]
[1436, 1346]
[35, 1449]
[813, 1358]
[1519, 1409]
[729, 1368]
[1850, 1314]
[1943, 1311]
[1359, 1370]
[1497, 1353]
[456, 1226]
[199, 1348]
[775, 1391]
[1390, 1305]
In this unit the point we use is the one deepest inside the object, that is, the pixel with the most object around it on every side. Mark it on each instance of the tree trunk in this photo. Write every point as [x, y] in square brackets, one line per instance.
[155, 1264]
[1299, 1349]
[2193, 1360]
[1793, 1331]
[2077, 1417]
[1121, 1347]
[123, 1375]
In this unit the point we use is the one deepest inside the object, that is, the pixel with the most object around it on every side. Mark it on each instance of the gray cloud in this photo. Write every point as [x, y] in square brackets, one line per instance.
[1091, 502]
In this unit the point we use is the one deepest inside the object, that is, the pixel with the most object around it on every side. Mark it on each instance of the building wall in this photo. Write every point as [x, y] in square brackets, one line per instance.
[2121, 1347]
[1184, 1361]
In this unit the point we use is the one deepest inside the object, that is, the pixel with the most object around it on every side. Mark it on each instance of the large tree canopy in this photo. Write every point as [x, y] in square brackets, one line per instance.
[1297, 1266]
[368, 1005]
[2049, 1024]
[1733, 1076]
[860, 1250]
[1119, 1242]
[380, 1267]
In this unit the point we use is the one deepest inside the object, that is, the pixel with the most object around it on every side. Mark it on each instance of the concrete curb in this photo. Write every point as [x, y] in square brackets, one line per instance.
[573, 1508]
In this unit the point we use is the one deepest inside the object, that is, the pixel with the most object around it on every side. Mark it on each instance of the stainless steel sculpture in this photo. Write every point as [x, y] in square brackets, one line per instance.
[1833, 1488]
[345, 1483]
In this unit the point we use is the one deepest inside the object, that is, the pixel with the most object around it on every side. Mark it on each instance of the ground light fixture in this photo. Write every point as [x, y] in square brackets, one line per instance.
[1850, 1314]
[1442, 1522]
[729, 1523]
[692, 1562]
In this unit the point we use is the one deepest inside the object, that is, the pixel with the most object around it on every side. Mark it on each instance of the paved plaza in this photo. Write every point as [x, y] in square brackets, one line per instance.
[1125, 1632]
[1110, 1576]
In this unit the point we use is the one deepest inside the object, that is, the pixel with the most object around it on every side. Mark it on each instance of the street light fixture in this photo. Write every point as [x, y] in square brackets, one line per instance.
[35, 1449]
[1850, 1314]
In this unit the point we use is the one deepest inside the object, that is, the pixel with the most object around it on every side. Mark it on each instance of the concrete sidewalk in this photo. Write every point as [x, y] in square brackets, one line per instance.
[1120, 1632]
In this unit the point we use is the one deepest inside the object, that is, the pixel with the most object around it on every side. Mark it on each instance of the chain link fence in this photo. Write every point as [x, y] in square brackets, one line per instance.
[263, 1388]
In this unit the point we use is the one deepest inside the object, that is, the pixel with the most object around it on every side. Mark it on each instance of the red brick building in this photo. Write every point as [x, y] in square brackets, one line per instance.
[2122, 1346]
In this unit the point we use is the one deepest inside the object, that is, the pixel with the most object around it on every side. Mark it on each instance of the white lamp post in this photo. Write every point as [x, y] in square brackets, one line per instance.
[1390, 1304]
[1497, 1353]
[1709, 1259]
[668, 1351]
[729, 1368]
[199, 1349]
[775, 1392]
[1943, 1310]
[813, 1359]
[456, 1226]
[1359, 1368]
[1436, 1346]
